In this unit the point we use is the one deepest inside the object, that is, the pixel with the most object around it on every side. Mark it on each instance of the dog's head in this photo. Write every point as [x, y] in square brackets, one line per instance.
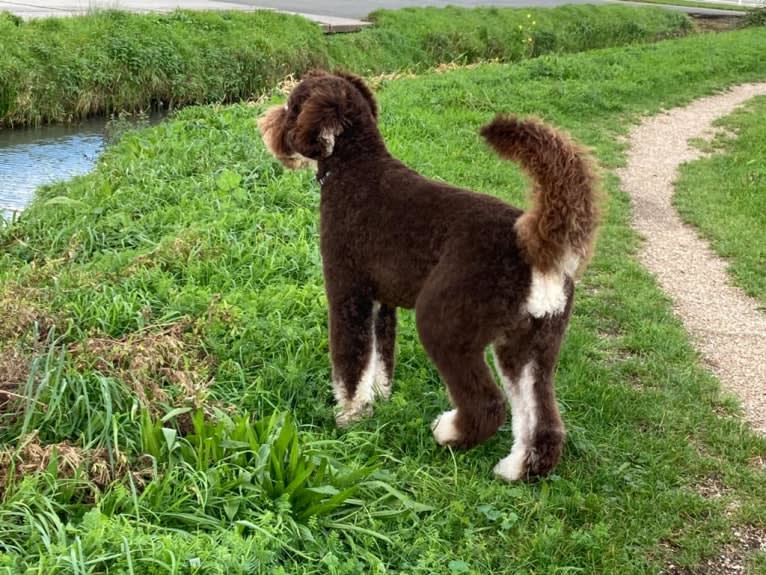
[322, 110]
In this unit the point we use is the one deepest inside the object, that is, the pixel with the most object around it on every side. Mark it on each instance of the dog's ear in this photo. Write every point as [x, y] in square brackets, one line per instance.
[359, 84]
[322, 118]
[270, 124]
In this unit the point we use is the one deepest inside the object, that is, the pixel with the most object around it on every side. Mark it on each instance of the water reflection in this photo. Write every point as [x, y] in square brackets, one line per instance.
[32, 157]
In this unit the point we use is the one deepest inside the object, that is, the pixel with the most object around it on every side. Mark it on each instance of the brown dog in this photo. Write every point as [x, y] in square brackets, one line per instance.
[478, 272]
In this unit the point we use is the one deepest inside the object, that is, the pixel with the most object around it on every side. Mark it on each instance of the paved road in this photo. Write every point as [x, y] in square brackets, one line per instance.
[45, 8]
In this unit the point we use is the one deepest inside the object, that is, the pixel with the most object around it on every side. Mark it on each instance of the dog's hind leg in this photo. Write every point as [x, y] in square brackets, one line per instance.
[352, 350]
[526, 361]
[385, 345]
[479, 406]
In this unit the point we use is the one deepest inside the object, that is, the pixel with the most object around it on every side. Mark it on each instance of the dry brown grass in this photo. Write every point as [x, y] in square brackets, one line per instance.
[374, 82]
[97, 466]
[161, 364]
[14, 371]
[284, 88]
[20, 311]
[24, 325]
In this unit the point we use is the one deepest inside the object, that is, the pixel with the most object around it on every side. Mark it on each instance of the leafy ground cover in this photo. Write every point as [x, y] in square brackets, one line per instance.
[64, 69]
[186, 268]
[724, 196]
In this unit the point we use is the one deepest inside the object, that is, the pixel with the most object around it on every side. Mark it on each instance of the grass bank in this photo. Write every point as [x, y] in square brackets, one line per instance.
[420, 38]
[724, 196]
[63, 69]
[184, 274]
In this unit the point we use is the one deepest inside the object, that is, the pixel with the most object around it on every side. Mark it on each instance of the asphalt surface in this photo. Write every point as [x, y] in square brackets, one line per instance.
[47, 8]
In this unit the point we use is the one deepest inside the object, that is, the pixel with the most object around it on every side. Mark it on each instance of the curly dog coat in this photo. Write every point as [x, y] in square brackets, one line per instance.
[478, 271]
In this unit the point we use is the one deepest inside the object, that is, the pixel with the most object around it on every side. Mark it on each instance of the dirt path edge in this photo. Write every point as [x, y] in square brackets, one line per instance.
[725, 324]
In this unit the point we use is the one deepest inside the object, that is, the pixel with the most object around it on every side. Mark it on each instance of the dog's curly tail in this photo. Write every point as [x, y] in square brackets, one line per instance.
[558, 231]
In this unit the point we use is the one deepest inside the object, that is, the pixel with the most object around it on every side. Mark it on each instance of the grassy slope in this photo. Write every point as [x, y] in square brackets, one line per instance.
[59, 69]
[193, 219]
[725, 197]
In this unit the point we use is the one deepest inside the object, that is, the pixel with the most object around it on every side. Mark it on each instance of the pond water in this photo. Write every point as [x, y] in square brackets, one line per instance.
[31, 157]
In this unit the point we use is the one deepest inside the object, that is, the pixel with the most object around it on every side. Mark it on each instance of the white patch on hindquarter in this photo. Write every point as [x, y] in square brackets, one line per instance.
[521, 394]
[361, 404]
[546, 294]
[444, 428]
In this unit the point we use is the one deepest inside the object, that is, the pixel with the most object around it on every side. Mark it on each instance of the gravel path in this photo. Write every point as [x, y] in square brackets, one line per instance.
[726, 325]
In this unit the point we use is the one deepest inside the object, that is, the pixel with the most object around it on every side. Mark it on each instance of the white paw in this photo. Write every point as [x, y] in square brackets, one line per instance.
[513, 467]
[444, 429]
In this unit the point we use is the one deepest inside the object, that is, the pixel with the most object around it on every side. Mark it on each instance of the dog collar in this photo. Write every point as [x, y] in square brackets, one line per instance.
[323, 178]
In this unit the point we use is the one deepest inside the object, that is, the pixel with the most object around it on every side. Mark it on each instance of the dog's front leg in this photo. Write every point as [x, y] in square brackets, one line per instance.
[353, 354]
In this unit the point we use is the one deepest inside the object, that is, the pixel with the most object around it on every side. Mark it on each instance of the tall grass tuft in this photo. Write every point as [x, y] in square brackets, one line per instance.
[249, 466]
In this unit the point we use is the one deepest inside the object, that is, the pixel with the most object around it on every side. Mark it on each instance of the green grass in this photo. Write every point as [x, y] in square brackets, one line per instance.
[724, 196]
[191, 224]
[64, 69]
